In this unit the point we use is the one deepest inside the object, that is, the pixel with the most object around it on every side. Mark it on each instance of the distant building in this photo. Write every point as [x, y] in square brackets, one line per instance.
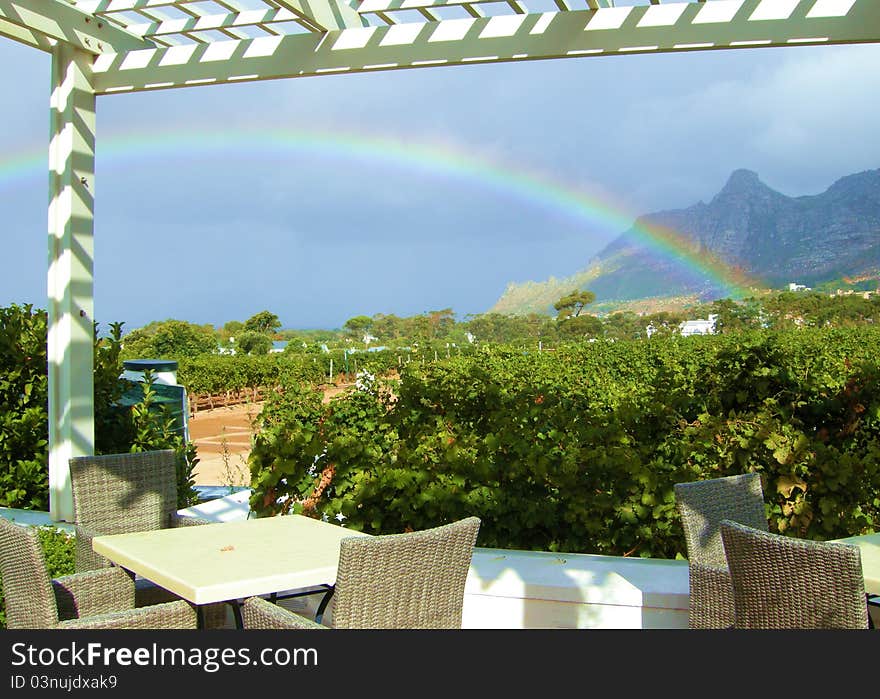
[792, 286]
[699, 326]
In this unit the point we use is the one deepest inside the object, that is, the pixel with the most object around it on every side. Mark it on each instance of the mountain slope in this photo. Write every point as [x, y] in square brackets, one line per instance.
[772, 237]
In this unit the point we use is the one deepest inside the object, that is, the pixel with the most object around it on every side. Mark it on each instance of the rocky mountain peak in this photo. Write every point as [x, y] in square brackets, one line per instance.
[742, 183]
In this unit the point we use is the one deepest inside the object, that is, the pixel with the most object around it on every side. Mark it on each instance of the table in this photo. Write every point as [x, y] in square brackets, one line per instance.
[229, 561]
[869, 546]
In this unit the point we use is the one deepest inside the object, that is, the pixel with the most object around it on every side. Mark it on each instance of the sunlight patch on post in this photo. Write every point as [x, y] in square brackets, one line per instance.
[831, 8]
[662, 15]
[774, 9]
[608, 18]
[719, 11]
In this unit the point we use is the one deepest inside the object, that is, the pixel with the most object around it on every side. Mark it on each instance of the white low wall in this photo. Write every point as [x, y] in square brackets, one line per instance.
[509, 589]
[530, 589]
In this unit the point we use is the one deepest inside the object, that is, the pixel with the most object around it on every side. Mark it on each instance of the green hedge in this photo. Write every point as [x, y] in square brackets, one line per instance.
[579, 450]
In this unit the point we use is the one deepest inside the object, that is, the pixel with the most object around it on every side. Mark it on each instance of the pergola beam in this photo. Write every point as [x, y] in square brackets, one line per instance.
[24, 35]
[63, 22]
[693, 26]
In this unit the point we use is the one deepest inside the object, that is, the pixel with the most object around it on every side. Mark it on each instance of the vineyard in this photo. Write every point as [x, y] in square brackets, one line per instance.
[578, 450]
[571, 450]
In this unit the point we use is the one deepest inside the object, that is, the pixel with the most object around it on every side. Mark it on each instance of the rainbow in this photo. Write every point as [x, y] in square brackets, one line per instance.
[437, 160]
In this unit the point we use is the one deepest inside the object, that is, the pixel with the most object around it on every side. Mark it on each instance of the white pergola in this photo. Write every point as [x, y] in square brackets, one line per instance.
[103, 47]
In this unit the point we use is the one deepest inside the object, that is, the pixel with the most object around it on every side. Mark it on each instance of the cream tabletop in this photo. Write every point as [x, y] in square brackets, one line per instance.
[231, 560]
[869, 546]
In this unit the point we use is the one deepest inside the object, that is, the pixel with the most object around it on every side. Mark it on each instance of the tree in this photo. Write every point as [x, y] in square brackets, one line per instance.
[170, 339]
[581, 326]
[357, 326]
[571, 305]
[262, 322]
[253, 343]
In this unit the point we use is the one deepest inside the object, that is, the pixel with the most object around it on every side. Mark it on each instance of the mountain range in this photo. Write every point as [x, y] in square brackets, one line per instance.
[770, 238]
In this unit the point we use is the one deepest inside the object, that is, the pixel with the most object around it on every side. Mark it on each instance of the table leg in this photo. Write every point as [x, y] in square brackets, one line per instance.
[324, 602]
[236, 612]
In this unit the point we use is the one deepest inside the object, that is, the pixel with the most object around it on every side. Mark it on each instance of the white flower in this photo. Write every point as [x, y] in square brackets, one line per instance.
[340, 516]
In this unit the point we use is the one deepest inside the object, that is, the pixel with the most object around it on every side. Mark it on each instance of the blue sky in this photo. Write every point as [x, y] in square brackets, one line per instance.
[318, 238]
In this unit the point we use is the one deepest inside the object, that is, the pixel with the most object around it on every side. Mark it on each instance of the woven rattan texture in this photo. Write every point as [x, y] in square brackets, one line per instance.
[405, 581]
[102, 599]
[702, 506]
[257, 613]
[122, 493]
[398, 581]
[784, 583]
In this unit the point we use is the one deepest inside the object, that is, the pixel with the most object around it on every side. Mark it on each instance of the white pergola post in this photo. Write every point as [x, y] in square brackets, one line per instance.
[71, 273]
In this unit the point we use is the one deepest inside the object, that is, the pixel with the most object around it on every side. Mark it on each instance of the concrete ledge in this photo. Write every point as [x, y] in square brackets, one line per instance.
[34, 518]
[535, 589]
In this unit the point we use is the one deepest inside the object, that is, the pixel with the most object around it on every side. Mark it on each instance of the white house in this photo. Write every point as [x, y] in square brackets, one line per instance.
[699, 326]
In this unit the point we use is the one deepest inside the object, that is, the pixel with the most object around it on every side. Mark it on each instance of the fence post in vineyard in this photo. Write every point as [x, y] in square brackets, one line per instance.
[330, 375]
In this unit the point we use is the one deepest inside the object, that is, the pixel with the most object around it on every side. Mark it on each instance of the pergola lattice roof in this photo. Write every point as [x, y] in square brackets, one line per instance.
[102, 47]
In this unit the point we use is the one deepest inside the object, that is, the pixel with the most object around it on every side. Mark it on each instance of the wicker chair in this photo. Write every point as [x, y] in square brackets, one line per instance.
[398, 581]
[97, 599]
[784, 583]
[122, 493]
[702, 506]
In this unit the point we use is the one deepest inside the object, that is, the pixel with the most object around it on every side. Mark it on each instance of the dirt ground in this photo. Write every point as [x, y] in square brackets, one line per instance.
[223, 439]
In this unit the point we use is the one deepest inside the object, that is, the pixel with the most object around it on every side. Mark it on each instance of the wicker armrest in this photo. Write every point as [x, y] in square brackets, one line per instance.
[172, 615]
[257, 613]
[180, 521]
[93, 592]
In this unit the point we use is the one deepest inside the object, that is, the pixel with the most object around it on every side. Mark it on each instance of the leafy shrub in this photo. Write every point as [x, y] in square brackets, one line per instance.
[24, 418]
[579, 450]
